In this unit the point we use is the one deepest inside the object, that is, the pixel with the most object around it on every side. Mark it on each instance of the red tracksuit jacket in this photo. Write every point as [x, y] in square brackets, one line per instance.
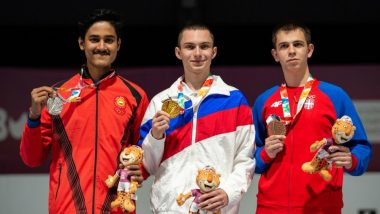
[283, 186]
[84, 142]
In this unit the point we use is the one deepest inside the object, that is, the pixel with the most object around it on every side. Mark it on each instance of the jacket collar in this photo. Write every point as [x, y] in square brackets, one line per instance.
[217, 87]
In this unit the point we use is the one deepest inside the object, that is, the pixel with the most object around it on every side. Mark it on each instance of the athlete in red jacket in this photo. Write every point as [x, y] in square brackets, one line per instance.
[87, 121]
[308, 108]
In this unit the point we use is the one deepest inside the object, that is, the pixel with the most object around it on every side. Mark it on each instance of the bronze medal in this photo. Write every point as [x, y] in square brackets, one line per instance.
[276, 127]
[171, 107]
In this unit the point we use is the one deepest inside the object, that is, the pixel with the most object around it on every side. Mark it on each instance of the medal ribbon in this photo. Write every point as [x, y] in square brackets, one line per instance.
[201, 92]
[285, 100]
[75, 91]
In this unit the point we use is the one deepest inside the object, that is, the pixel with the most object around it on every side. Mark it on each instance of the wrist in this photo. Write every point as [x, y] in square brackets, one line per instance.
[33, 115]
[157, 136]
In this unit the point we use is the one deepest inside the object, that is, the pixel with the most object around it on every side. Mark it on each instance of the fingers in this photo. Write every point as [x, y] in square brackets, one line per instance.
[160, 124]
[342, 157]
[161, 118]
[39, 97]
[336, 148]
[274, 144]
[214, 200]
[135, 173]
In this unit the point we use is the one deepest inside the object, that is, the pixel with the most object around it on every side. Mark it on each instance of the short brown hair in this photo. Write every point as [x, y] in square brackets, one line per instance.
[193, 27]
[290, 26]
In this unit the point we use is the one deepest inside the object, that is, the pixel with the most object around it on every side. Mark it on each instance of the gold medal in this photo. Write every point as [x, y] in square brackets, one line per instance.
[171, 107]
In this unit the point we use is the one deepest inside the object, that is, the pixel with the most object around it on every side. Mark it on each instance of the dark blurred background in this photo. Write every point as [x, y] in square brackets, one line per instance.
[44, 34]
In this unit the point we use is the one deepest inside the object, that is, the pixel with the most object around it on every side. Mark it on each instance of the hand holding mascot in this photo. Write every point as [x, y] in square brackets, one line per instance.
[126, 189]
[207, 181]
[342, 131]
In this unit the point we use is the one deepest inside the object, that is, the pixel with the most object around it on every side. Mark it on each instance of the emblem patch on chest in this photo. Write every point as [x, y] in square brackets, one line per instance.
[309, 102]
[120, 105]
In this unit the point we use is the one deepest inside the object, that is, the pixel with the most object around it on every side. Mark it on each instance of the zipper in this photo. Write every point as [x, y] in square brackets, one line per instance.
[195, 117]
[291, 145]
[194, 131]
[59, 179]
[96, 147]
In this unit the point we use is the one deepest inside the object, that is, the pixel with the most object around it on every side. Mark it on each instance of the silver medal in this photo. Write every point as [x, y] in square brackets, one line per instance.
[54, 105]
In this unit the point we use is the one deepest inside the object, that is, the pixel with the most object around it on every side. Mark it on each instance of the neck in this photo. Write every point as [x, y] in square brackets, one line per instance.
[296, 78]
[97, 73]
[195, 81]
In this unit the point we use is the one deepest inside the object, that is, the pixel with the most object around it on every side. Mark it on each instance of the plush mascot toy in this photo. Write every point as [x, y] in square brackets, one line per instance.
[126, 189]
[207, 181]
[342, 131]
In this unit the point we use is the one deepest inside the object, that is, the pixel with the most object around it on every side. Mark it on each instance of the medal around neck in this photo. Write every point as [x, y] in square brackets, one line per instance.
[54, 105]
[275, 126]
[171, 107]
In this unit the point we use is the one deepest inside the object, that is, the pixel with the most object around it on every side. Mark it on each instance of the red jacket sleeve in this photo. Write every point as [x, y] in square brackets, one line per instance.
[36, 141]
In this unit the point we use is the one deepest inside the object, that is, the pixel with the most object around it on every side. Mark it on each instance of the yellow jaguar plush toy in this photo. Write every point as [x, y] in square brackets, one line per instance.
[342, 131]
[207, 181]
[126, 189]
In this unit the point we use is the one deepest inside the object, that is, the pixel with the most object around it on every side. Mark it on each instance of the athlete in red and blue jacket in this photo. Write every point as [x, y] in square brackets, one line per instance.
[309, 108]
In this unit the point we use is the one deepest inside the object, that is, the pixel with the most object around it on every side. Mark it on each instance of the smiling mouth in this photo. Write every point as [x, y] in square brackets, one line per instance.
[197, 62]
[208, 186]
[101, 55]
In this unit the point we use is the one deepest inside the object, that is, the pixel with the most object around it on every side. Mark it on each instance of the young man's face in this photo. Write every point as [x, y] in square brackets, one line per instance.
[292, 50]
[196, 51]
[100, 45]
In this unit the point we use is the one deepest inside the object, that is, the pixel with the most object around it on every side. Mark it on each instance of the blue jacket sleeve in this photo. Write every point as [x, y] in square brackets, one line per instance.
[261, 133]
[359, 145]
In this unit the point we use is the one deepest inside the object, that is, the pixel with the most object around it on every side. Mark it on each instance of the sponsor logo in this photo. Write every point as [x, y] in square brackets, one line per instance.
[276, 104]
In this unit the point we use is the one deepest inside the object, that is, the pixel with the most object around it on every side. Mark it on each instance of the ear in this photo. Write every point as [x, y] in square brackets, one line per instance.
[274, 54]
[177, 52]
[214, 50]
[81, 43]
[310, 50]
[118, 44]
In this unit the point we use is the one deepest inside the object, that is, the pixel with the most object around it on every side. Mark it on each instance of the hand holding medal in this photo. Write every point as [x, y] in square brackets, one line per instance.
[275, 126]
[39, 97]
[160, 123]
[276, 132]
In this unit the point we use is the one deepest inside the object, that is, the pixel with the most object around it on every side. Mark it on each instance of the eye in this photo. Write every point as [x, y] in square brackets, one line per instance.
[205, 46]
[109, 40]
[298, 44]
[94, 39]
[283, 46]
[189, 46]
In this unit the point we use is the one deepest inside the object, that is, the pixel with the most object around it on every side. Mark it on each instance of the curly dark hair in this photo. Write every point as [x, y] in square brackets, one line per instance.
[98, 15]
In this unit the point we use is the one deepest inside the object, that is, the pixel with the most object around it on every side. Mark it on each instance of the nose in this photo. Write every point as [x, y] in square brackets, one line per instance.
[291, 49]
[348, 131]
[197, 51]
[101, 45]
[209, 177]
